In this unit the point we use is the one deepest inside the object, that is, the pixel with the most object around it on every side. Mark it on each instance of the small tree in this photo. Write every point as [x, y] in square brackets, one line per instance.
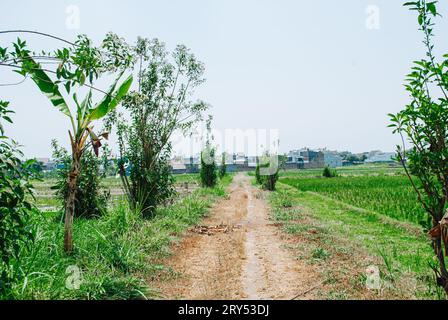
[268, 169]
[208, 165]
[223, 167]
[78, 65]
[424, 123]
[160, 106]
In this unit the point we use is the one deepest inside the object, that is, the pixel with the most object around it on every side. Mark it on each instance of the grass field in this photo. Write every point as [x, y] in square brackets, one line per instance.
[342, 241]
[385, 190]
[368, 215]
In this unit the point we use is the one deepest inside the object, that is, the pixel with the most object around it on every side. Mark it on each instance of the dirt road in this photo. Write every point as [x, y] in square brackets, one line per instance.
[243, 258]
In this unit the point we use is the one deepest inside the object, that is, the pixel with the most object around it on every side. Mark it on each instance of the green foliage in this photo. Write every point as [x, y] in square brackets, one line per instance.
[116, 253]
[223, 167]
[15, 207]
[91, 195]
[267, 171]
[424, 123]
[208, 174]
[329, 173]
[77, 64]
[257, 173]
[159, 107]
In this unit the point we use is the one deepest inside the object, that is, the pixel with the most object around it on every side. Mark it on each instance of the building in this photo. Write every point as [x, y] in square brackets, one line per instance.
[46, 164]
[294, 160]
[192, 164]
[178, 168]
[381, 157]
[305, 159]
[332, 159]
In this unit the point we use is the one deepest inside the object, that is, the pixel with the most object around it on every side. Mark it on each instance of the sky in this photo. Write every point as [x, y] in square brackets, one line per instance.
[321, 73]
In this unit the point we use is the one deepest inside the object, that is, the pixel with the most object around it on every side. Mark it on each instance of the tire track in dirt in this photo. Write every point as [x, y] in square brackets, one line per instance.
[271, 272]
[248, 263]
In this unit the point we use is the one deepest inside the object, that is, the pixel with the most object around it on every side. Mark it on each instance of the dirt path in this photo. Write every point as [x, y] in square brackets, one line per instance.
[248, 261]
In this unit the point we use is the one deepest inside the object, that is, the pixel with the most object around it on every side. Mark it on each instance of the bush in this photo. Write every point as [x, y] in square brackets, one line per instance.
[208, 168]
[329, 173]
[15, 209]
[267, 181]
[257, 174]
[91, 197]
[151, 188]
[223, 167]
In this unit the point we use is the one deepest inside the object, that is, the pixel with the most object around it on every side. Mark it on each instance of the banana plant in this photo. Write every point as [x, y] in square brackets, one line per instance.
[81, 135]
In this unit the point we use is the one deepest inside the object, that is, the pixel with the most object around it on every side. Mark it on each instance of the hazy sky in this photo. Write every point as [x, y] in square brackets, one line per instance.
[321, 72]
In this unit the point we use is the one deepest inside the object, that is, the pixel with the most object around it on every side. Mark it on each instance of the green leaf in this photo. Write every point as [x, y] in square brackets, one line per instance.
[431, 6]
[112, 99]
[47, 87]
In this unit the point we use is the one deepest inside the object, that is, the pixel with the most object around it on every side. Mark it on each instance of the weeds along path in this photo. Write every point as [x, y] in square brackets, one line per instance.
[237, 253]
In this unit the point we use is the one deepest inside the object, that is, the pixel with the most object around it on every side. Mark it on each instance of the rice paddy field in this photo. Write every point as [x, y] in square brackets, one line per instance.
[47, 201]
[382, 189]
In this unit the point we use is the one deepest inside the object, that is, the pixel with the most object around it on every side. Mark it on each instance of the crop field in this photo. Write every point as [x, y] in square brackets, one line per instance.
[47, 201]
[385, 190]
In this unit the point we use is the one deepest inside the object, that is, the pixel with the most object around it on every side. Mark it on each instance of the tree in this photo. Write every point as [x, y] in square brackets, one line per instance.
[15, 205]
[424, 124]
[160, 106]
[267, 171]
[208, 165]
[78, 65]
[223, 167]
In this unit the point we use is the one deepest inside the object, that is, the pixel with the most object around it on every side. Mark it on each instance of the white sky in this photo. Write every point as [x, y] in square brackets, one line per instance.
[310, 69]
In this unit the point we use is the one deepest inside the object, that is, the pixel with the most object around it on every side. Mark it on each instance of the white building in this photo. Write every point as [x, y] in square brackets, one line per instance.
[332, 160]
[383, 157]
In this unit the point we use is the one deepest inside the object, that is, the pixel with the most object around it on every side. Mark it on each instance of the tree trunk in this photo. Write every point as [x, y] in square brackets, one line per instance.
[70, 205]
[442, 273]
[439, 235]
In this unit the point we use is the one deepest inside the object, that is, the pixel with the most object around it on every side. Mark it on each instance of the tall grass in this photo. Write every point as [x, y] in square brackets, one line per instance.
[386, 194]
[114, 253]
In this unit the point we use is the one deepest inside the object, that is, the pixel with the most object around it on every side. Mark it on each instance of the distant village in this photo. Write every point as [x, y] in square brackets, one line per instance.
[295, 159]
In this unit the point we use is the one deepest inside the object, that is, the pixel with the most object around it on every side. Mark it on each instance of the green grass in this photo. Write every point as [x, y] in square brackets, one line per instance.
[333, 229]
[391, 195]
[360, 170]
[46, 200]
[116, 253]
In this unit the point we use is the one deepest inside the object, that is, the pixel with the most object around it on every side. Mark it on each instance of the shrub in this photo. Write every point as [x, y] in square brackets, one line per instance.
[257, 173]
[91, 196]
[208, 168]
[329, 173]
[208, 172]
[15, 208]
[223, 167]
[267, 170]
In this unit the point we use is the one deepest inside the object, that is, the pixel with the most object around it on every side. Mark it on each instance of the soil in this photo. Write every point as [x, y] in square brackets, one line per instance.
[237, 253]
